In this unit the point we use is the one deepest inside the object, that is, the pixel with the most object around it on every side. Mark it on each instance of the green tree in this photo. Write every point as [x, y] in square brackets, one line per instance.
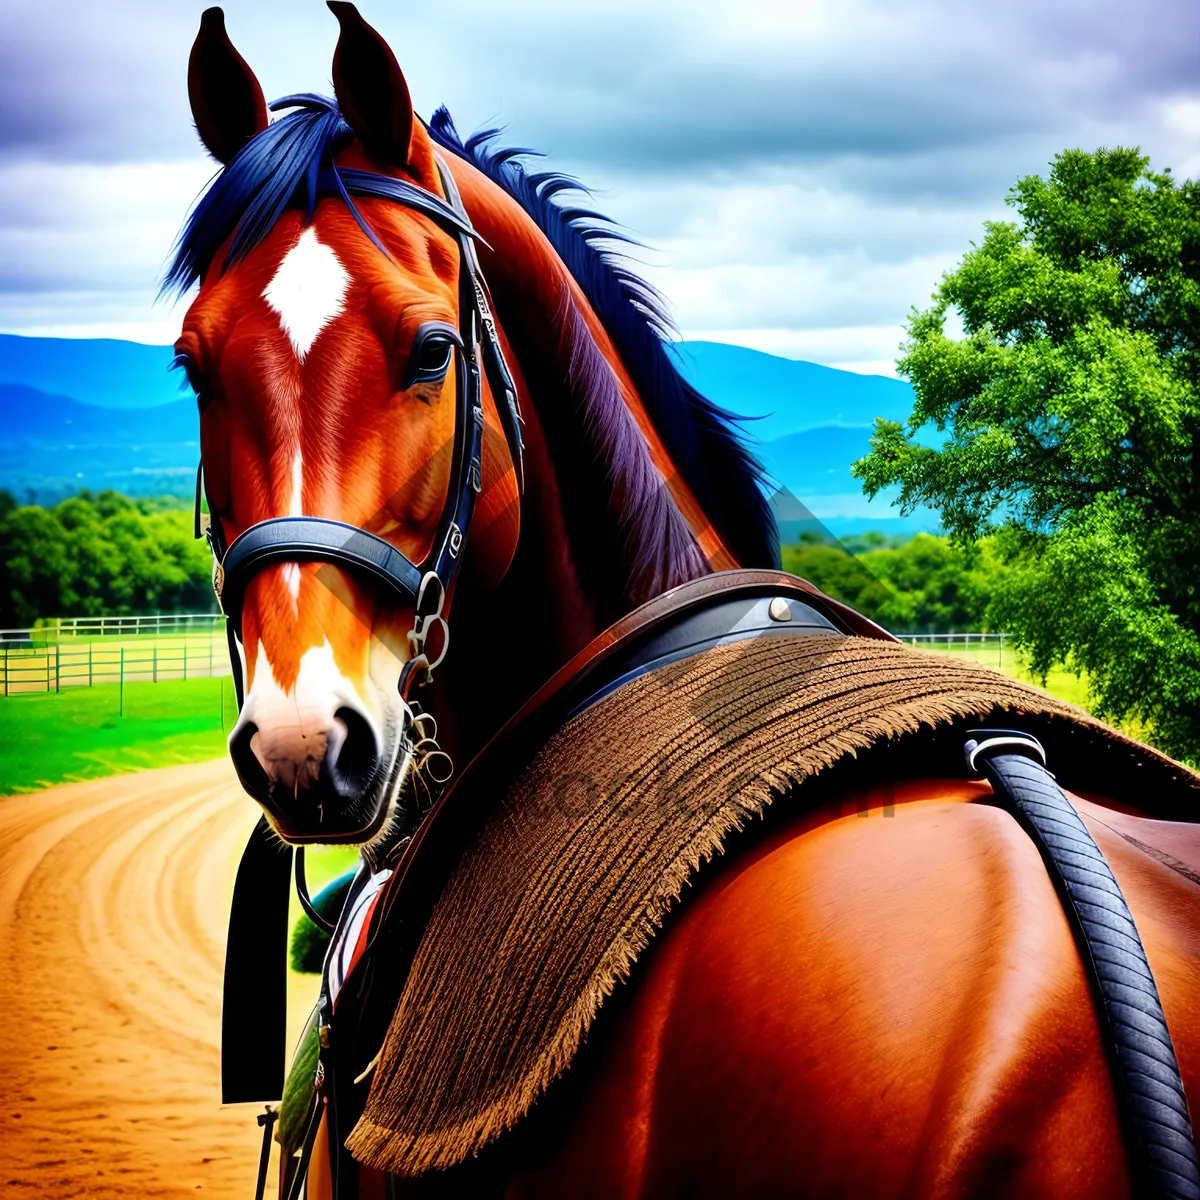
[99, 555]
[923, 585]
[1072, 410]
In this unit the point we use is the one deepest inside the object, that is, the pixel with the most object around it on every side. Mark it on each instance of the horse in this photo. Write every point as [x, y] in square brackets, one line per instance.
[426, 382]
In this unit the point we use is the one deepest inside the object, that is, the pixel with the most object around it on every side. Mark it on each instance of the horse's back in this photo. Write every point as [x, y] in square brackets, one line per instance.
[887, 1002]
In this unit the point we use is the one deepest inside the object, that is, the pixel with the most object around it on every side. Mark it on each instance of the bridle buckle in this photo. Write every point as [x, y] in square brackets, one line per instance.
[431, 598]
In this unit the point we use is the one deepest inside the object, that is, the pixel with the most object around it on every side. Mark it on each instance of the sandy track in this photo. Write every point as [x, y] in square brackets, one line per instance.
[114, 897]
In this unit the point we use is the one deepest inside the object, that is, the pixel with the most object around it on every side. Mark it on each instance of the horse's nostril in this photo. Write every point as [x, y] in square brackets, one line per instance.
[310, 772]
[358, 755]
[250, 770]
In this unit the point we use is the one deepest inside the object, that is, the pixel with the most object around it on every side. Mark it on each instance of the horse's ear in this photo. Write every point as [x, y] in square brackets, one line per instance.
[370, 88]
[227, 101]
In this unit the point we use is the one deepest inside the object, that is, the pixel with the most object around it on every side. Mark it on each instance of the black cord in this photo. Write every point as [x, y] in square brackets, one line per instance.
[302, 895]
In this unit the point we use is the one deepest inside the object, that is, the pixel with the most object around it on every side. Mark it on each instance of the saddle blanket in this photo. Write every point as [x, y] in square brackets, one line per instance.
[592, 845]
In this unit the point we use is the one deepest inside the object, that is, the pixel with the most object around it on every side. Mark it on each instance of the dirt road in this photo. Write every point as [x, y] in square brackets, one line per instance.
[114, 896]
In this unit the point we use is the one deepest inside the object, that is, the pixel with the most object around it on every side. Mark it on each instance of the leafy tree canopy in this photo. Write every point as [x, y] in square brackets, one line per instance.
[1072, 408]
[99, 555]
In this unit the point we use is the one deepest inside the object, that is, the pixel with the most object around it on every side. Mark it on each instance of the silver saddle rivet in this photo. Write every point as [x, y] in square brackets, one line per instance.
[779, 610]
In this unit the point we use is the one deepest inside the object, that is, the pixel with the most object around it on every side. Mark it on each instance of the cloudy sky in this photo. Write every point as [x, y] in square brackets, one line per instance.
[802, 170]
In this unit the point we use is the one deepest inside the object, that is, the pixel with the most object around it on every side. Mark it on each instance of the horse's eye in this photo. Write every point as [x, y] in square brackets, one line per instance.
[195, 380]
[435, 356]
[433, 348]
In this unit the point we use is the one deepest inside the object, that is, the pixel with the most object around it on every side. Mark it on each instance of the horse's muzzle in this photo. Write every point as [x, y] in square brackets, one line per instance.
[319, 781]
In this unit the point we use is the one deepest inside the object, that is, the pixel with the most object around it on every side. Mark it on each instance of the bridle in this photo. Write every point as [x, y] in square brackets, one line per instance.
[258, 917]
[428, 586]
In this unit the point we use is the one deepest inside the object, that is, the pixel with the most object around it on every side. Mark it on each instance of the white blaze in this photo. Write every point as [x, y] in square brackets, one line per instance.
[291, 572]
[320, 686]
[308, 291]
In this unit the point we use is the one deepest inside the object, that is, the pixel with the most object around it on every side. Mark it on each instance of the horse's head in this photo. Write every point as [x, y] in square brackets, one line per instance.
[322, 348]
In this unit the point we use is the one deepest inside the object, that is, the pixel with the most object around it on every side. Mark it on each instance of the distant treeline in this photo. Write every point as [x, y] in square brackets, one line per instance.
[923, 584]
[100, 555]
[105, 554]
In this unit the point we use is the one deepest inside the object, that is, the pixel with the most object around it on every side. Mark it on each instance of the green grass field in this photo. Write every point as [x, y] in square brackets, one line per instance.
[81, 733]
[56, 663]
[1060, 682]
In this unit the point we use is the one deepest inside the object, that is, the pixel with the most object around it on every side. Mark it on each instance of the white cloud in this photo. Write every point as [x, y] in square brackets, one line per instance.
[882, 366]
[869, 350]
[83, 246]
[1181, 118]
[804, 292]
[88, 315]
[804, 171]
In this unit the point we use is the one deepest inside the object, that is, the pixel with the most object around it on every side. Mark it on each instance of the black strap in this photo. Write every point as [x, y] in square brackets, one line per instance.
[266, 1121]
[312, 539]
[500, 380]
[235, 663]
[310, 909]
[1154, 1112]
[451, 217]
[253, 1016]
[197, 515]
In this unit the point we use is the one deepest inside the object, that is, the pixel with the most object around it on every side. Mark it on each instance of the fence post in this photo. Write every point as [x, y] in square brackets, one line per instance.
[57, 671]
[121, 685]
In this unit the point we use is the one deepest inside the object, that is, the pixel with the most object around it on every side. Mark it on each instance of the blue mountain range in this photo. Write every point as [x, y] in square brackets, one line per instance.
[103, 413]
[787, 396]
[91, 370]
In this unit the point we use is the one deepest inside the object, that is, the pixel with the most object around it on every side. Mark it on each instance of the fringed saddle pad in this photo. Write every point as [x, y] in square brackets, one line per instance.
[592, 845]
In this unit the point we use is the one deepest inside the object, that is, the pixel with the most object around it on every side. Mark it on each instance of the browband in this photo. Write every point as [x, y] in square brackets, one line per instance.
[384, 187]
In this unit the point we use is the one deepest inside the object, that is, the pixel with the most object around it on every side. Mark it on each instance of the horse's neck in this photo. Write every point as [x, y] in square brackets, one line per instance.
[508, 641]
[600, 530]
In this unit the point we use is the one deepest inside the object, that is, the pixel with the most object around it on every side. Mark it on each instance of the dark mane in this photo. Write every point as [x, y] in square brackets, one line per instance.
[703, 440]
